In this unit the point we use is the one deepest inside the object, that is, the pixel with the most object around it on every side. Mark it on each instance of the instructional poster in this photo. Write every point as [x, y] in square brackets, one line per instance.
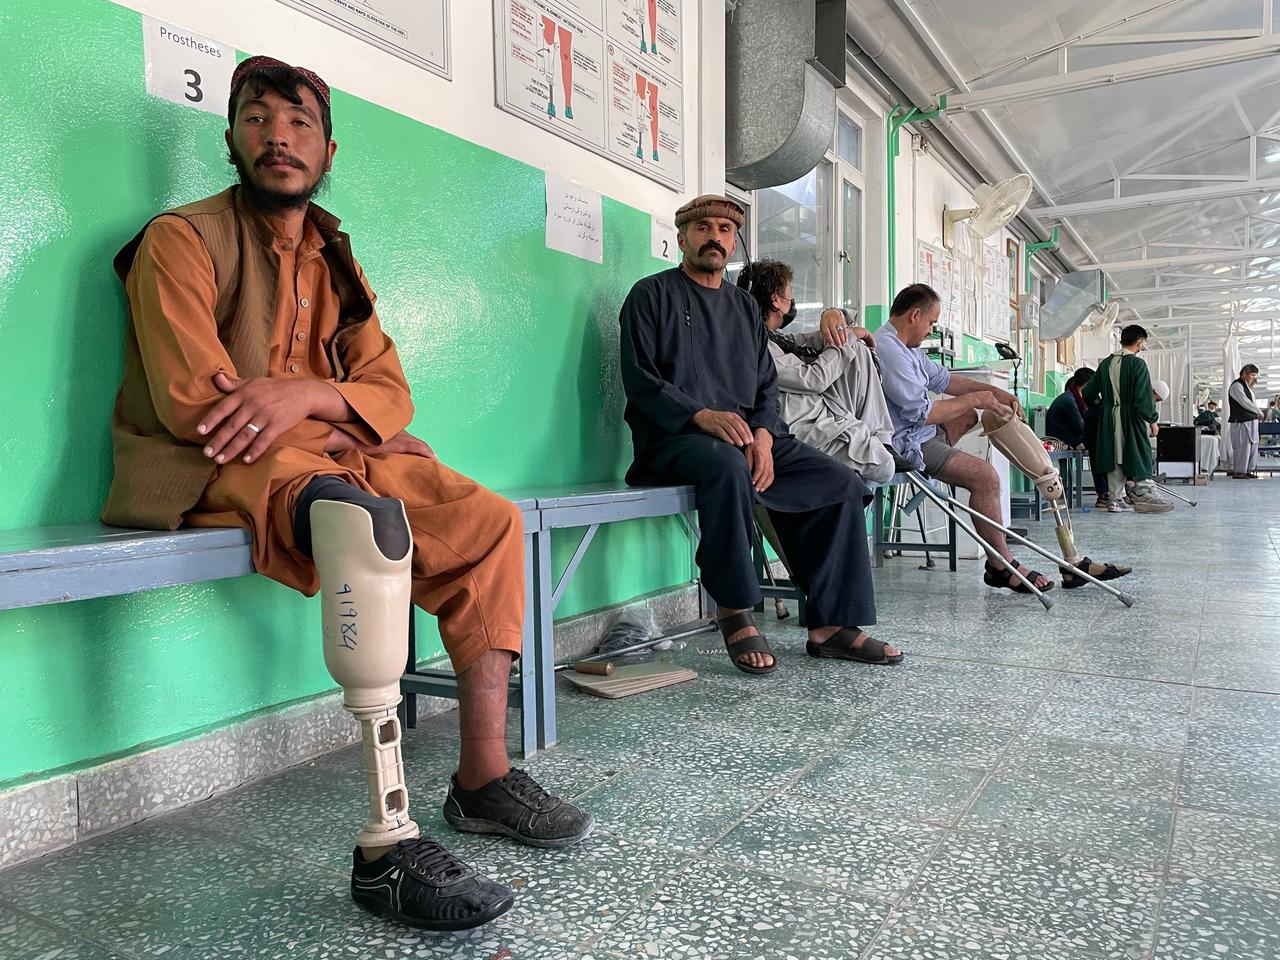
[645, 127]
[414, 30]
[650, 29]
[576, 68]
[552, 70]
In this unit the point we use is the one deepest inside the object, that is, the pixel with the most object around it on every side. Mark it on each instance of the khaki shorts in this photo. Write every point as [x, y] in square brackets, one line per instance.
[937, 453]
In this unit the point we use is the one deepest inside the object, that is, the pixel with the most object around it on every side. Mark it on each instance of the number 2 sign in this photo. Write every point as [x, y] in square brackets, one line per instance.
[185, 67]
[663, 239]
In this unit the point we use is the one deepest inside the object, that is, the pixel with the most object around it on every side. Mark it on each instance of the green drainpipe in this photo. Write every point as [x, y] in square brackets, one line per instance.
[893, 128]
[1028, 251]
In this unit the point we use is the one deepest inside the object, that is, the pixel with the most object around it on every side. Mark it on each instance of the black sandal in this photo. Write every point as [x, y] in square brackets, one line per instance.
[1110, 571]
[843, 645]
[1003, 579]
[749, 644]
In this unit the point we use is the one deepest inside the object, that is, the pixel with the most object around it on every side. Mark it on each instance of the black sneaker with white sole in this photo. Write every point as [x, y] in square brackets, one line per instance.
[517, 806]
[421, 884]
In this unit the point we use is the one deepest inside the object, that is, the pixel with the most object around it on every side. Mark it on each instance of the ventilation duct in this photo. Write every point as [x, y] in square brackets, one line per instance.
[780, 101]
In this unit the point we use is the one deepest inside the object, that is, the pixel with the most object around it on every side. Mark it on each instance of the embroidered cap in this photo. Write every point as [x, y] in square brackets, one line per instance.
[312, 79]
[711, 205]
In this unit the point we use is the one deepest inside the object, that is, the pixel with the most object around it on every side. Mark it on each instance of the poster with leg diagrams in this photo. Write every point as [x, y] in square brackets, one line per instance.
[645, 124]
[650, 30]
[553, 70]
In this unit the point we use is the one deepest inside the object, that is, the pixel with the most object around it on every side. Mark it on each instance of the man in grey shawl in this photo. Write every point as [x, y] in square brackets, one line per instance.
[827, 380]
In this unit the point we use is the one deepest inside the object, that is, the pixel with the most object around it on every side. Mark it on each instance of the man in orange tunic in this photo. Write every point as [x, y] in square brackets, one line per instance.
[260, 392]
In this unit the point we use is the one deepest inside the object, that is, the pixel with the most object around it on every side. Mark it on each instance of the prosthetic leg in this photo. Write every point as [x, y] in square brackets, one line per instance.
[1015, 440]
[366, 596]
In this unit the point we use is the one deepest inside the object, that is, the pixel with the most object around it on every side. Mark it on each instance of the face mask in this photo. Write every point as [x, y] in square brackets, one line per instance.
[790, 314]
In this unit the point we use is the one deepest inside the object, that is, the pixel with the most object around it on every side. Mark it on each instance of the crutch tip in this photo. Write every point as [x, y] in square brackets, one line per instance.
[1128, 599]
[1046, 600]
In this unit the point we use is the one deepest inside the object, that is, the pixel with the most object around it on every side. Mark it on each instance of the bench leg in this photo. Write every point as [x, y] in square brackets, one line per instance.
[545, 638]
[877, 528]
[408, 709]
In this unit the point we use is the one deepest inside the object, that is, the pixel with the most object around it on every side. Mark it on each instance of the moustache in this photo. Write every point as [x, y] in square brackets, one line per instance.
[712, 245]
[263, 160]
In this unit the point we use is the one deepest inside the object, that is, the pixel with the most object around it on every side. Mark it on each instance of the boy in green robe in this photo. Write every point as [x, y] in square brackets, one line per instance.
[1129, 416]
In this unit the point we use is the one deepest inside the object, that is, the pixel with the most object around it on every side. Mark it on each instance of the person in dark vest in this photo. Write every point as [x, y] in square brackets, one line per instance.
[261, 392]
[1075, 423]
[702, 404]
[1243, 413]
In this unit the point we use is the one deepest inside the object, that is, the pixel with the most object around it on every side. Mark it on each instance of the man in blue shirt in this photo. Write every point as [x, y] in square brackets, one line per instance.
[925, 430]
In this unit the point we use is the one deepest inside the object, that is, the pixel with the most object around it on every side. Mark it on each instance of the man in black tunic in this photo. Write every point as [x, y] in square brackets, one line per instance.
[702, 404]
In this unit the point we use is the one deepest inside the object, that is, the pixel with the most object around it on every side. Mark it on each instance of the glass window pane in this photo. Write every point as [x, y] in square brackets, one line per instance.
[850, 255]
[848, 140]
[794, 225]
[739, 259]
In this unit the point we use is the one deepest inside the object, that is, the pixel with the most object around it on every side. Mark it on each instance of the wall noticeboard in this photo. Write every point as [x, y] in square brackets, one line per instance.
[413, 30]
[604, 74]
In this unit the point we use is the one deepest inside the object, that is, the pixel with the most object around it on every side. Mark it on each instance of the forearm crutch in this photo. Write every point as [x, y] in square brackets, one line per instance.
[1125, 598]
[946, 504]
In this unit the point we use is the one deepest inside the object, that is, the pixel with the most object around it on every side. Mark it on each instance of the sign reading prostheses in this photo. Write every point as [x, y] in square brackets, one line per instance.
[186, 68]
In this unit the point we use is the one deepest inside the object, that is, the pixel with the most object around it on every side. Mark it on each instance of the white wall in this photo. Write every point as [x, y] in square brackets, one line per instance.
[465, 106]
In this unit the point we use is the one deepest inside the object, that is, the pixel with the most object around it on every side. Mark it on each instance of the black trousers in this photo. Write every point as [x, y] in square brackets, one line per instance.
[816, 506]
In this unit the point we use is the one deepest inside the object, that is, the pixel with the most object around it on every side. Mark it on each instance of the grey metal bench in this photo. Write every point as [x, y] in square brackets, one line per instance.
[47, 565]
[43, 565]
[590, 506]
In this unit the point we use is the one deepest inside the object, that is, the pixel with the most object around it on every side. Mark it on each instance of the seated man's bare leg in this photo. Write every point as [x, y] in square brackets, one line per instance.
[468, 570]
[482, 720]
[983, 483]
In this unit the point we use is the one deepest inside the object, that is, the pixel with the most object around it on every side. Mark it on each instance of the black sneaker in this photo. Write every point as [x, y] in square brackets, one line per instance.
[516, 806]
[421, 884]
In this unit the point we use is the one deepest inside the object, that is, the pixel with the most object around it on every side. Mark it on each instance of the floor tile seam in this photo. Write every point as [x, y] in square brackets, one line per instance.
[994, 932]
[1019, 731]
[1260, 693]
[1271, 888]
[1173, 828]
[1151, 866]
[1225, 812]
[112, 951]
[807, 880]
[949, 830]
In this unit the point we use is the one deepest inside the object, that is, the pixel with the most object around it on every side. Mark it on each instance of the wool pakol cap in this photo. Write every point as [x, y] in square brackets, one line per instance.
[246, 67]
[710, 205]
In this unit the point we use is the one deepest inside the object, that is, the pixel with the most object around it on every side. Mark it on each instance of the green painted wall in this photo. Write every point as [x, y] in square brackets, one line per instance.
[511, 351]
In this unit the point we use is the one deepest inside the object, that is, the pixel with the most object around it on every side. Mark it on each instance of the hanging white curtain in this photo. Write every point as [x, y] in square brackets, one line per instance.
[1230, 371]
[1174, 368]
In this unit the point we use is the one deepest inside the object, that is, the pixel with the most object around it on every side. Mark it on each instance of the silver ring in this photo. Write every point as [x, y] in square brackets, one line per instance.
[255, 429]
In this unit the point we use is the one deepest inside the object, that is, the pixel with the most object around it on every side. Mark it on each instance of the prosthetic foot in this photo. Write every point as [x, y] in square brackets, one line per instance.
[366, 630]
[1024, 450]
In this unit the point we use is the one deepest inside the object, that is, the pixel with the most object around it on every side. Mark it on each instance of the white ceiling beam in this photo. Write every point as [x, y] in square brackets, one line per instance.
[1139, 292]
[1157, 198]
[1211, 55]
[1193, 36]
[1208, 178]
[1226, 256]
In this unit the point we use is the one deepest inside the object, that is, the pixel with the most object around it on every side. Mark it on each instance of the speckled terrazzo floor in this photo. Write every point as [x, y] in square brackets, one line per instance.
[1087, 783]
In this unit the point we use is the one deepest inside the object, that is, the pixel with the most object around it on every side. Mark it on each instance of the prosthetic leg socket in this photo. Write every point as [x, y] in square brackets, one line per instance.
[1023, 449]
[365, 612]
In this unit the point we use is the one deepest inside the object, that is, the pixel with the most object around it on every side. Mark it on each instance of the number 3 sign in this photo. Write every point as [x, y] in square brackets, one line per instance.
[185, 67]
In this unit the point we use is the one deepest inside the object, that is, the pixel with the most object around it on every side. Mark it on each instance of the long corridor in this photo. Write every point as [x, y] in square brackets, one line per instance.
[1085, 783]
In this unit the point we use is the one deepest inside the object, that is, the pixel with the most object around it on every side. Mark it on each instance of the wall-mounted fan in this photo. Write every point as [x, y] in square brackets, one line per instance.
[996, 206]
